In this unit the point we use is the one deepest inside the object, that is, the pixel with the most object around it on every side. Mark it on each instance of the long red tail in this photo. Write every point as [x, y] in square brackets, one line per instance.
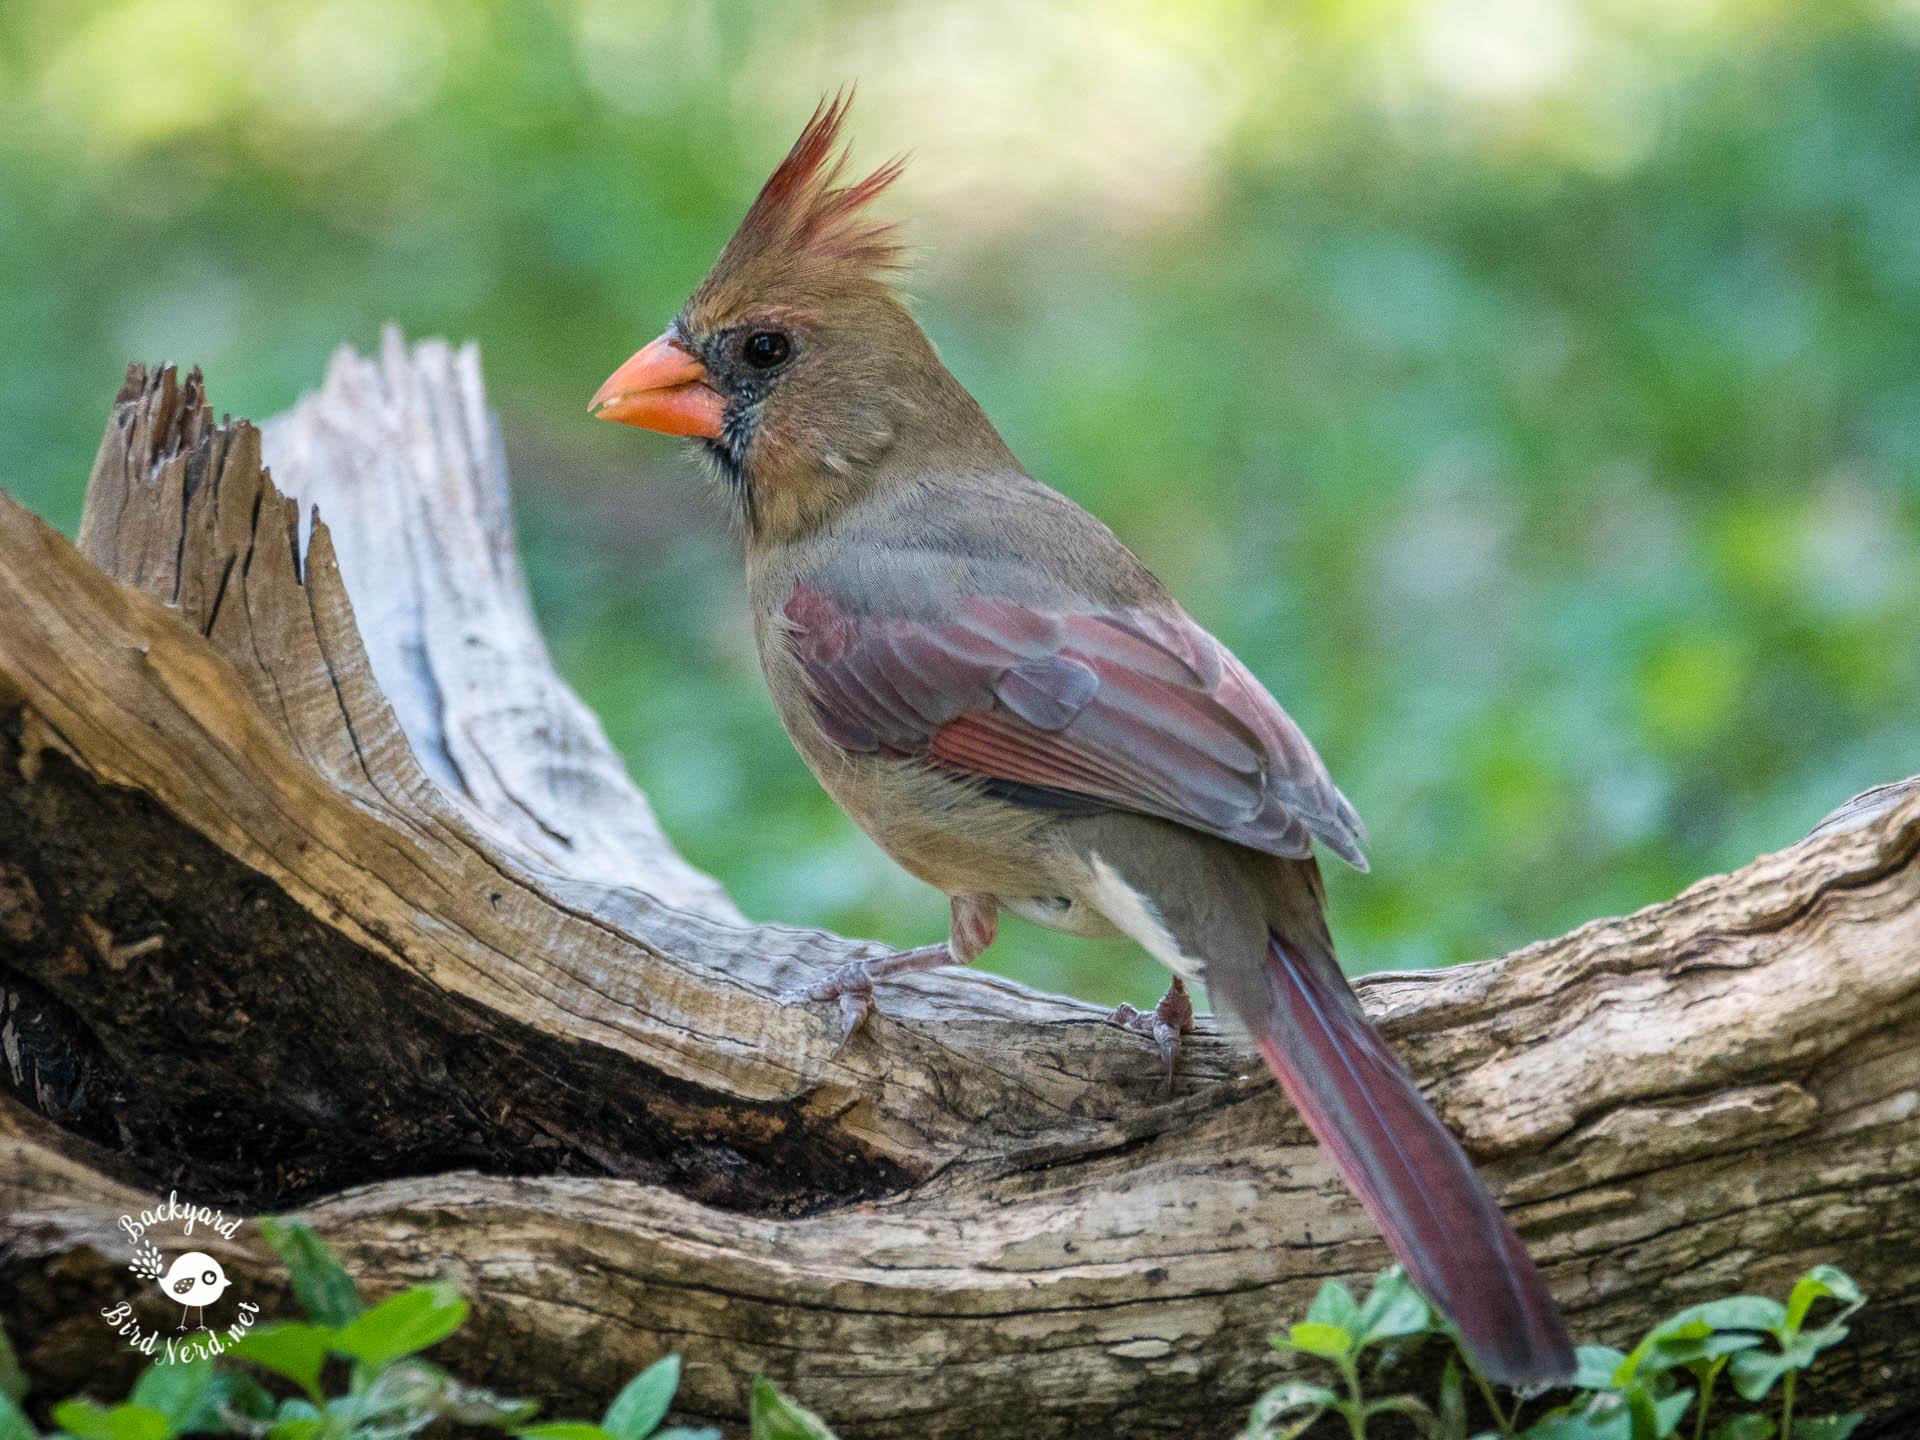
[1409, 1172]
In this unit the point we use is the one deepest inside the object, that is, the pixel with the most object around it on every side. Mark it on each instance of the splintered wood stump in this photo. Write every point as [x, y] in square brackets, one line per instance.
[321, 894]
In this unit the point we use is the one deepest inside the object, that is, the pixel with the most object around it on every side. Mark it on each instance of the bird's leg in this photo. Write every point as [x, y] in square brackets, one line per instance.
[1164, 1024]
[975, 919]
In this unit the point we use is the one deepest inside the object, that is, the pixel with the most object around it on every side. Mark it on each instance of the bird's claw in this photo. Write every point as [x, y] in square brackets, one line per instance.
[1164, 1025]
[855, 1005]
[852, 987]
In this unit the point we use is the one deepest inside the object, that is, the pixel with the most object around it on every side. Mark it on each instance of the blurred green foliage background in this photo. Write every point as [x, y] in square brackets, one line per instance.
[1528, 389]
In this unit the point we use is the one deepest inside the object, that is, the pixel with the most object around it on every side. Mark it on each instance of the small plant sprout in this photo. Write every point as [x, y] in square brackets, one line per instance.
[1666, 1386]
[1340, 1330]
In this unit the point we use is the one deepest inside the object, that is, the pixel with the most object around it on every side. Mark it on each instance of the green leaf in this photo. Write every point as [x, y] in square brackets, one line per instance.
[1667, 1412]
[1809, 1343]
[1313, 1337]
[1288, 1399]
[564, 1430]
[299, 1428]
[180, 1392]
[1287, 1410]
[342, 1414]
[235, 1398]
[1744, 1427]
[1828, 1427]
[1596, 1366]
[403, 1324]
[637, 1411]
[398, 1394]
[13, 1380]
[289, 1348]
[1685, 1325]
[1334, 1306]
[1604, 1417]
[772, 1416]
[1670, 1354]
[1738, 1312]
[1701, 1332]
[1684, 1339]
[13, 1424]
[681, 1432]
[1393, 1308]
[1646, 1424]
[88, 1421]
[1655, 1416]
[1754, 1372]
[1822, 1282]
[323, 1289]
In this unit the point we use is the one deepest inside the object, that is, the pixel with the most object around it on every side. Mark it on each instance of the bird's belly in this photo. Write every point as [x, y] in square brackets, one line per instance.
[1063, 913]
[944, 830]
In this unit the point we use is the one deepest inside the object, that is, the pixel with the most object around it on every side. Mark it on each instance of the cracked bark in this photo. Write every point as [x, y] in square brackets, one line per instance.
[320, 893]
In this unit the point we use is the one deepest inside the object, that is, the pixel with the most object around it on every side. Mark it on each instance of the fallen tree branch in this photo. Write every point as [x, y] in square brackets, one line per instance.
[319, 891]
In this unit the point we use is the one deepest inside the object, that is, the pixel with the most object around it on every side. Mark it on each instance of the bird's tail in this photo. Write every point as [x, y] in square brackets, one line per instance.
[1408, 1171]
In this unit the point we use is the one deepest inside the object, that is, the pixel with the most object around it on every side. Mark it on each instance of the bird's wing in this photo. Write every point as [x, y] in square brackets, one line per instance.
[1134, 709]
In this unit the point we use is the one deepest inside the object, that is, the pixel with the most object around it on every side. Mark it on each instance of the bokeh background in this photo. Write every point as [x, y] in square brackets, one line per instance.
[1528, 389]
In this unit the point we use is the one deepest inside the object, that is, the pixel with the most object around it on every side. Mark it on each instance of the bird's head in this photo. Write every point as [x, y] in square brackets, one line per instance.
[795, 363]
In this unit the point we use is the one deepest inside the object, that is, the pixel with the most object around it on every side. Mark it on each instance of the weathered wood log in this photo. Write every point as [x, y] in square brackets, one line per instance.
[320, 892]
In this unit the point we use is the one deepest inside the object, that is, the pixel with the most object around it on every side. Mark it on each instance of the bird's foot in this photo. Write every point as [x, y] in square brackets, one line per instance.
[851, 986]
[974, 920]
[1164, 1025]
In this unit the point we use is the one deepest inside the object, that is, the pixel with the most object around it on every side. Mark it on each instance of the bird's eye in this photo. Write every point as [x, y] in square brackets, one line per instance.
[209, 1277]
[765, 349]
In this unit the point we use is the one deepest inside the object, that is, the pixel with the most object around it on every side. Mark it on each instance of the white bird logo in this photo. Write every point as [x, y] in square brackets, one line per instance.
[194, 1281]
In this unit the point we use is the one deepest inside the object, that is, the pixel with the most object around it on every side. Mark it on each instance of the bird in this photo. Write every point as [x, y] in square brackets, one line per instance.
[194, 1281]
[1006, 699]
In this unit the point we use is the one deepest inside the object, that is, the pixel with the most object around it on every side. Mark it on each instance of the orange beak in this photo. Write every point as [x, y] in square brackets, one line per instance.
[662, 388]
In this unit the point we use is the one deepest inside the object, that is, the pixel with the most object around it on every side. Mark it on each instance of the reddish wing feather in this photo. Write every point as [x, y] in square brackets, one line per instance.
[1144, 712]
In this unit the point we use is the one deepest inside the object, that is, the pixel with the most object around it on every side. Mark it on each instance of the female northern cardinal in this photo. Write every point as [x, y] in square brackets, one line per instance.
[1000, 694]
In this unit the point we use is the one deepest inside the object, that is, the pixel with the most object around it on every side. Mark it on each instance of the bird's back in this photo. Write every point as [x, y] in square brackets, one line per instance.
[921, 544]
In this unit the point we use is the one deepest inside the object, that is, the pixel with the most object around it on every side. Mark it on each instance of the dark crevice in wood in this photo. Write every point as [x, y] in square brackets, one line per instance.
[259, 1058]
[50, 1062]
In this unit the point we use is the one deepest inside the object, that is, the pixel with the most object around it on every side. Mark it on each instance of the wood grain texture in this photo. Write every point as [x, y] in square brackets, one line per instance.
[319, 891]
